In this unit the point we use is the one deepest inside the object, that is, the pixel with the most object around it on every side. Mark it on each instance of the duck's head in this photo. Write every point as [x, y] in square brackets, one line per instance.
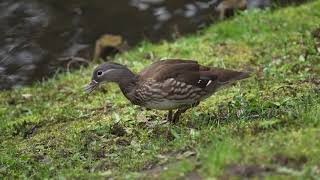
[107, 72]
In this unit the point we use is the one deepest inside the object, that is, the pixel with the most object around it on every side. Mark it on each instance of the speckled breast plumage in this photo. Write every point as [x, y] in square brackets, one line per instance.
[170, 94]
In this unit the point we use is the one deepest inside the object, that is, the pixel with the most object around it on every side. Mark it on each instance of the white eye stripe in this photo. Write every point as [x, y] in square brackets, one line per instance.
[104, 72]
[109, 70]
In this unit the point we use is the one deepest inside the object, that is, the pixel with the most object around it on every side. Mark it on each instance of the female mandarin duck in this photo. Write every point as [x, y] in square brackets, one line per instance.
[167, 84]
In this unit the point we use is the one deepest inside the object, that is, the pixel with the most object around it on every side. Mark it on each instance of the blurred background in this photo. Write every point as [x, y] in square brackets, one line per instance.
[36, 34]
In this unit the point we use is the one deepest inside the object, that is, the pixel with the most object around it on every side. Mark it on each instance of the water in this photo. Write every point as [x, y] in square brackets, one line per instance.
[36, 33]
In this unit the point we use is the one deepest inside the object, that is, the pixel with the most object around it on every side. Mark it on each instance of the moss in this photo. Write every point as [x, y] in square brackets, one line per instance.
[266, 126]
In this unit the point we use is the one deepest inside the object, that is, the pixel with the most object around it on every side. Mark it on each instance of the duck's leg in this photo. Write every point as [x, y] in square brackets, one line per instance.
[176, 116]
[169, 116]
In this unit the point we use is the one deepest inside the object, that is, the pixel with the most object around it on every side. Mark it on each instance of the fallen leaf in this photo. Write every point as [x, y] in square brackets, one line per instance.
[27, 96]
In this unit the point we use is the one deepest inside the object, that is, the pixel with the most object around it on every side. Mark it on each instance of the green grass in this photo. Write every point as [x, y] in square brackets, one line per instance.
[266, 126]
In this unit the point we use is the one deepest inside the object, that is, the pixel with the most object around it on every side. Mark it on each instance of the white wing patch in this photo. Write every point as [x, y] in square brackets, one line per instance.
[209, 82]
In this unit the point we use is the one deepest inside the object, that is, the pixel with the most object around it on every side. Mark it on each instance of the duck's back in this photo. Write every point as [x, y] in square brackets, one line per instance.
[166, 68]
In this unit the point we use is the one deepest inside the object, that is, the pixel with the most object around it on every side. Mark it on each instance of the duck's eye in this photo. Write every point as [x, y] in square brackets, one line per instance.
[99, 73]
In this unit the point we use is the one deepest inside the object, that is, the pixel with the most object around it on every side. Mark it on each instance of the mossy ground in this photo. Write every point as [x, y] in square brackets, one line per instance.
[265, 126]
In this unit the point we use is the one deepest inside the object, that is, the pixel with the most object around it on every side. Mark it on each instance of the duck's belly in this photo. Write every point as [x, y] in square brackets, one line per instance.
[167, 104]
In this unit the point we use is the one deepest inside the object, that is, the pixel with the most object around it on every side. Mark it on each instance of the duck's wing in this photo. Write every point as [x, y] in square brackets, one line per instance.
[183, 70]
[157, 66]
[190, 73]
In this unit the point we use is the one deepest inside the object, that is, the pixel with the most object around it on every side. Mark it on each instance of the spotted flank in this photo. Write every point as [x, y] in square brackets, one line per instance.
[171, 94]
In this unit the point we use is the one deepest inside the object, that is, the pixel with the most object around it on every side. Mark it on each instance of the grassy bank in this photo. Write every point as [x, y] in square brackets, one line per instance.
[266, 126]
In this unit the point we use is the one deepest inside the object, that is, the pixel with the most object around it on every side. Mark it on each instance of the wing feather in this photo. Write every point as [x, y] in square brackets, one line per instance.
[186, 71]
[191, 73]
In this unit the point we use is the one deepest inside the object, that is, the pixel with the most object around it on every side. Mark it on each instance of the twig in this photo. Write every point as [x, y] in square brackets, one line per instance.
[72, 60]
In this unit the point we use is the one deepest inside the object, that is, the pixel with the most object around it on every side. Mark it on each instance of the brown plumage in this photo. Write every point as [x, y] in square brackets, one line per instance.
[166, 85]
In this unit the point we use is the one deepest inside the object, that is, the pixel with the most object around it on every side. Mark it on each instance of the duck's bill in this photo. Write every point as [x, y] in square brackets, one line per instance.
[91, 87]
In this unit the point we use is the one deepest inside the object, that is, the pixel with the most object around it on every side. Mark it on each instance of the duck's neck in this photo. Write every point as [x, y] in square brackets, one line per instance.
[127, 81]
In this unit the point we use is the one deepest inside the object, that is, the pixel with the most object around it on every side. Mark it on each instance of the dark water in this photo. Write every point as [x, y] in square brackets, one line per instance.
[35, 33]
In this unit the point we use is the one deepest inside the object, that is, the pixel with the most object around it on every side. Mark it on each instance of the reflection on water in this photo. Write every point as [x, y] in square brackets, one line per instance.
[35, 33]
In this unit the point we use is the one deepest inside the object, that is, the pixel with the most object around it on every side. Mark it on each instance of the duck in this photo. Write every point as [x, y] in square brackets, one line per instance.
[174, 85]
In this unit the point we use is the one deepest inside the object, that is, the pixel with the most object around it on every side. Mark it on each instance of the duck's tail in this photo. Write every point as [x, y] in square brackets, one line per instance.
[222, 77]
